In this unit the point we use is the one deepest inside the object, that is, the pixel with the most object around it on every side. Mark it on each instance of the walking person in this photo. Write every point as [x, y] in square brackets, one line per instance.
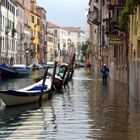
[105, 72]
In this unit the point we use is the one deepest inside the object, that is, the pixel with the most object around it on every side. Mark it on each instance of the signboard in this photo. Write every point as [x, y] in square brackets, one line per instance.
[116, 40]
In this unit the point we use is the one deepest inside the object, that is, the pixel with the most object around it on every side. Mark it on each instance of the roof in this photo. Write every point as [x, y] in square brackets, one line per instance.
[33, 1]
[52, 25]
[38, 7]
[72, 28]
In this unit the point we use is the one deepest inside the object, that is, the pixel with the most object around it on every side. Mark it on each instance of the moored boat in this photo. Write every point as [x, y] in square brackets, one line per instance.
[26, 95]
[16, 71]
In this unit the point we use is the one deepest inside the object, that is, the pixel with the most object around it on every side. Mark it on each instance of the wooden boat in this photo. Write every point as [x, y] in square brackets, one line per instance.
[16, 71]
[28, 94]
[59, 76]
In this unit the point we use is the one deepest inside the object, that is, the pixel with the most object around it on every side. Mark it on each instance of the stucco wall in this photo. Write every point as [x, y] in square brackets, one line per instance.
[118, 73]
[134, 86]
[134, 78]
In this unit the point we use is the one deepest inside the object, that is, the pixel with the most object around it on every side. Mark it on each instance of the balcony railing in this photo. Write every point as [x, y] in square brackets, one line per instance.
[95, 19]
[109, 6]
[93, 16]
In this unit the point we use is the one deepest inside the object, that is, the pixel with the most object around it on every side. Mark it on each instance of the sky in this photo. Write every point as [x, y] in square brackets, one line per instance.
[65, 12]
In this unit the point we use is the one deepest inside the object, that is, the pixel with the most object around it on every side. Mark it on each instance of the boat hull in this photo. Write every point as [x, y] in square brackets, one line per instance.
[13, 100]
[8, 72]
[28, 94]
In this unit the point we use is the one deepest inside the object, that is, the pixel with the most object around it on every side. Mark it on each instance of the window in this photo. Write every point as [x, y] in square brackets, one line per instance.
[32, 19]
[55, 32]
[37, 21]
[34, 33]
[121, 2]
[6, 4]
[31, 32]
[44, 16]
[3, 40]
[138, 52]
[50, 39]
[13, 9]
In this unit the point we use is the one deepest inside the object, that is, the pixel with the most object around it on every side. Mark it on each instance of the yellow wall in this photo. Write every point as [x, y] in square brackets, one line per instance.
[134, 34]
[35, 29]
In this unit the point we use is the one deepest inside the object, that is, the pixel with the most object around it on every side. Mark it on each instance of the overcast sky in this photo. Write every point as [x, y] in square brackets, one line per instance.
[65, 12]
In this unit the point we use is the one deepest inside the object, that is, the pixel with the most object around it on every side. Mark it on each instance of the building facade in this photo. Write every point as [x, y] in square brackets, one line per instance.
[70, 41]
[103, 22]
[76, 36]
[42, 35]
[51, 47]
[35, 30]
[20, 57]
[9, 39]
[27, 32]
[134, 53]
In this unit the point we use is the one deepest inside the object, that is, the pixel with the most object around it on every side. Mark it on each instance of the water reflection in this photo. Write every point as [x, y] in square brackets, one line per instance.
[87, 110]
[12, 118]
[19, 82]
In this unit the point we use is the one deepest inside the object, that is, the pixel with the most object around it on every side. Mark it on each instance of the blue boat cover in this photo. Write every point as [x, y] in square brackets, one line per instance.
[38, 88]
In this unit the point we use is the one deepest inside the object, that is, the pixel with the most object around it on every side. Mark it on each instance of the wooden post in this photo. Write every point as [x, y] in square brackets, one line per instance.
[71, 68]
[54, 72]
[42, 89]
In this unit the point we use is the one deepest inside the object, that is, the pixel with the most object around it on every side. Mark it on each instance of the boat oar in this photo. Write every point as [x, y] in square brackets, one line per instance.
[43, 84]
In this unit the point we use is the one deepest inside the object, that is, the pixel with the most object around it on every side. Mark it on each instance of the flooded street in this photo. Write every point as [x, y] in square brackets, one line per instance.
[87, 110]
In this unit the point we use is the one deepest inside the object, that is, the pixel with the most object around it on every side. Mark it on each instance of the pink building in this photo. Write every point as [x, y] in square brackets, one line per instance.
[20, 59]
[42, 35]
[27, 41]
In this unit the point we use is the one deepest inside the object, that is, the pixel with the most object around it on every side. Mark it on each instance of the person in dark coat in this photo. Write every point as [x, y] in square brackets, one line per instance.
[105, 72]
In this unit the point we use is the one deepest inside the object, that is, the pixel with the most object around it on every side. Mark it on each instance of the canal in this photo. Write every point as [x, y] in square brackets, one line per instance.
[86, 110]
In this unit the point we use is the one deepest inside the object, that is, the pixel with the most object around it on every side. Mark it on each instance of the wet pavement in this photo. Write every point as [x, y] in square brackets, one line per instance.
[87, 110]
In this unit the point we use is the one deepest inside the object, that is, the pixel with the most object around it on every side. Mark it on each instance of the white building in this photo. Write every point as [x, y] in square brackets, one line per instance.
[8, 42]
[77, 37]
[71, 39]
[62, 35]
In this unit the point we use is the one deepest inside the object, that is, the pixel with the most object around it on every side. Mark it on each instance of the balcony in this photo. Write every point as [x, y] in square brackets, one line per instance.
[22, 36]
[112, 28]
[110, 33]
[14, 31]
[118, 7]
[7, 30]
[95, 16]
[27, 25]
[114, 7]
[32, 50]
[109, 6]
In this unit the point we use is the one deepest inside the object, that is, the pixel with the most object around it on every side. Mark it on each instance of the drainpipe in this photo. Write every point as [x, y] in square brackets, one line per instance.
[127, 60]
[100, 29]
[0, 30]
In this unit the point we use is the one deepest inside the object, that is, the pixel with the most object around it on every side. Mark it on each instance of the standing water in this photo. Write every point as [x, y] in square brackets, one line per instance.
[87, 110]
